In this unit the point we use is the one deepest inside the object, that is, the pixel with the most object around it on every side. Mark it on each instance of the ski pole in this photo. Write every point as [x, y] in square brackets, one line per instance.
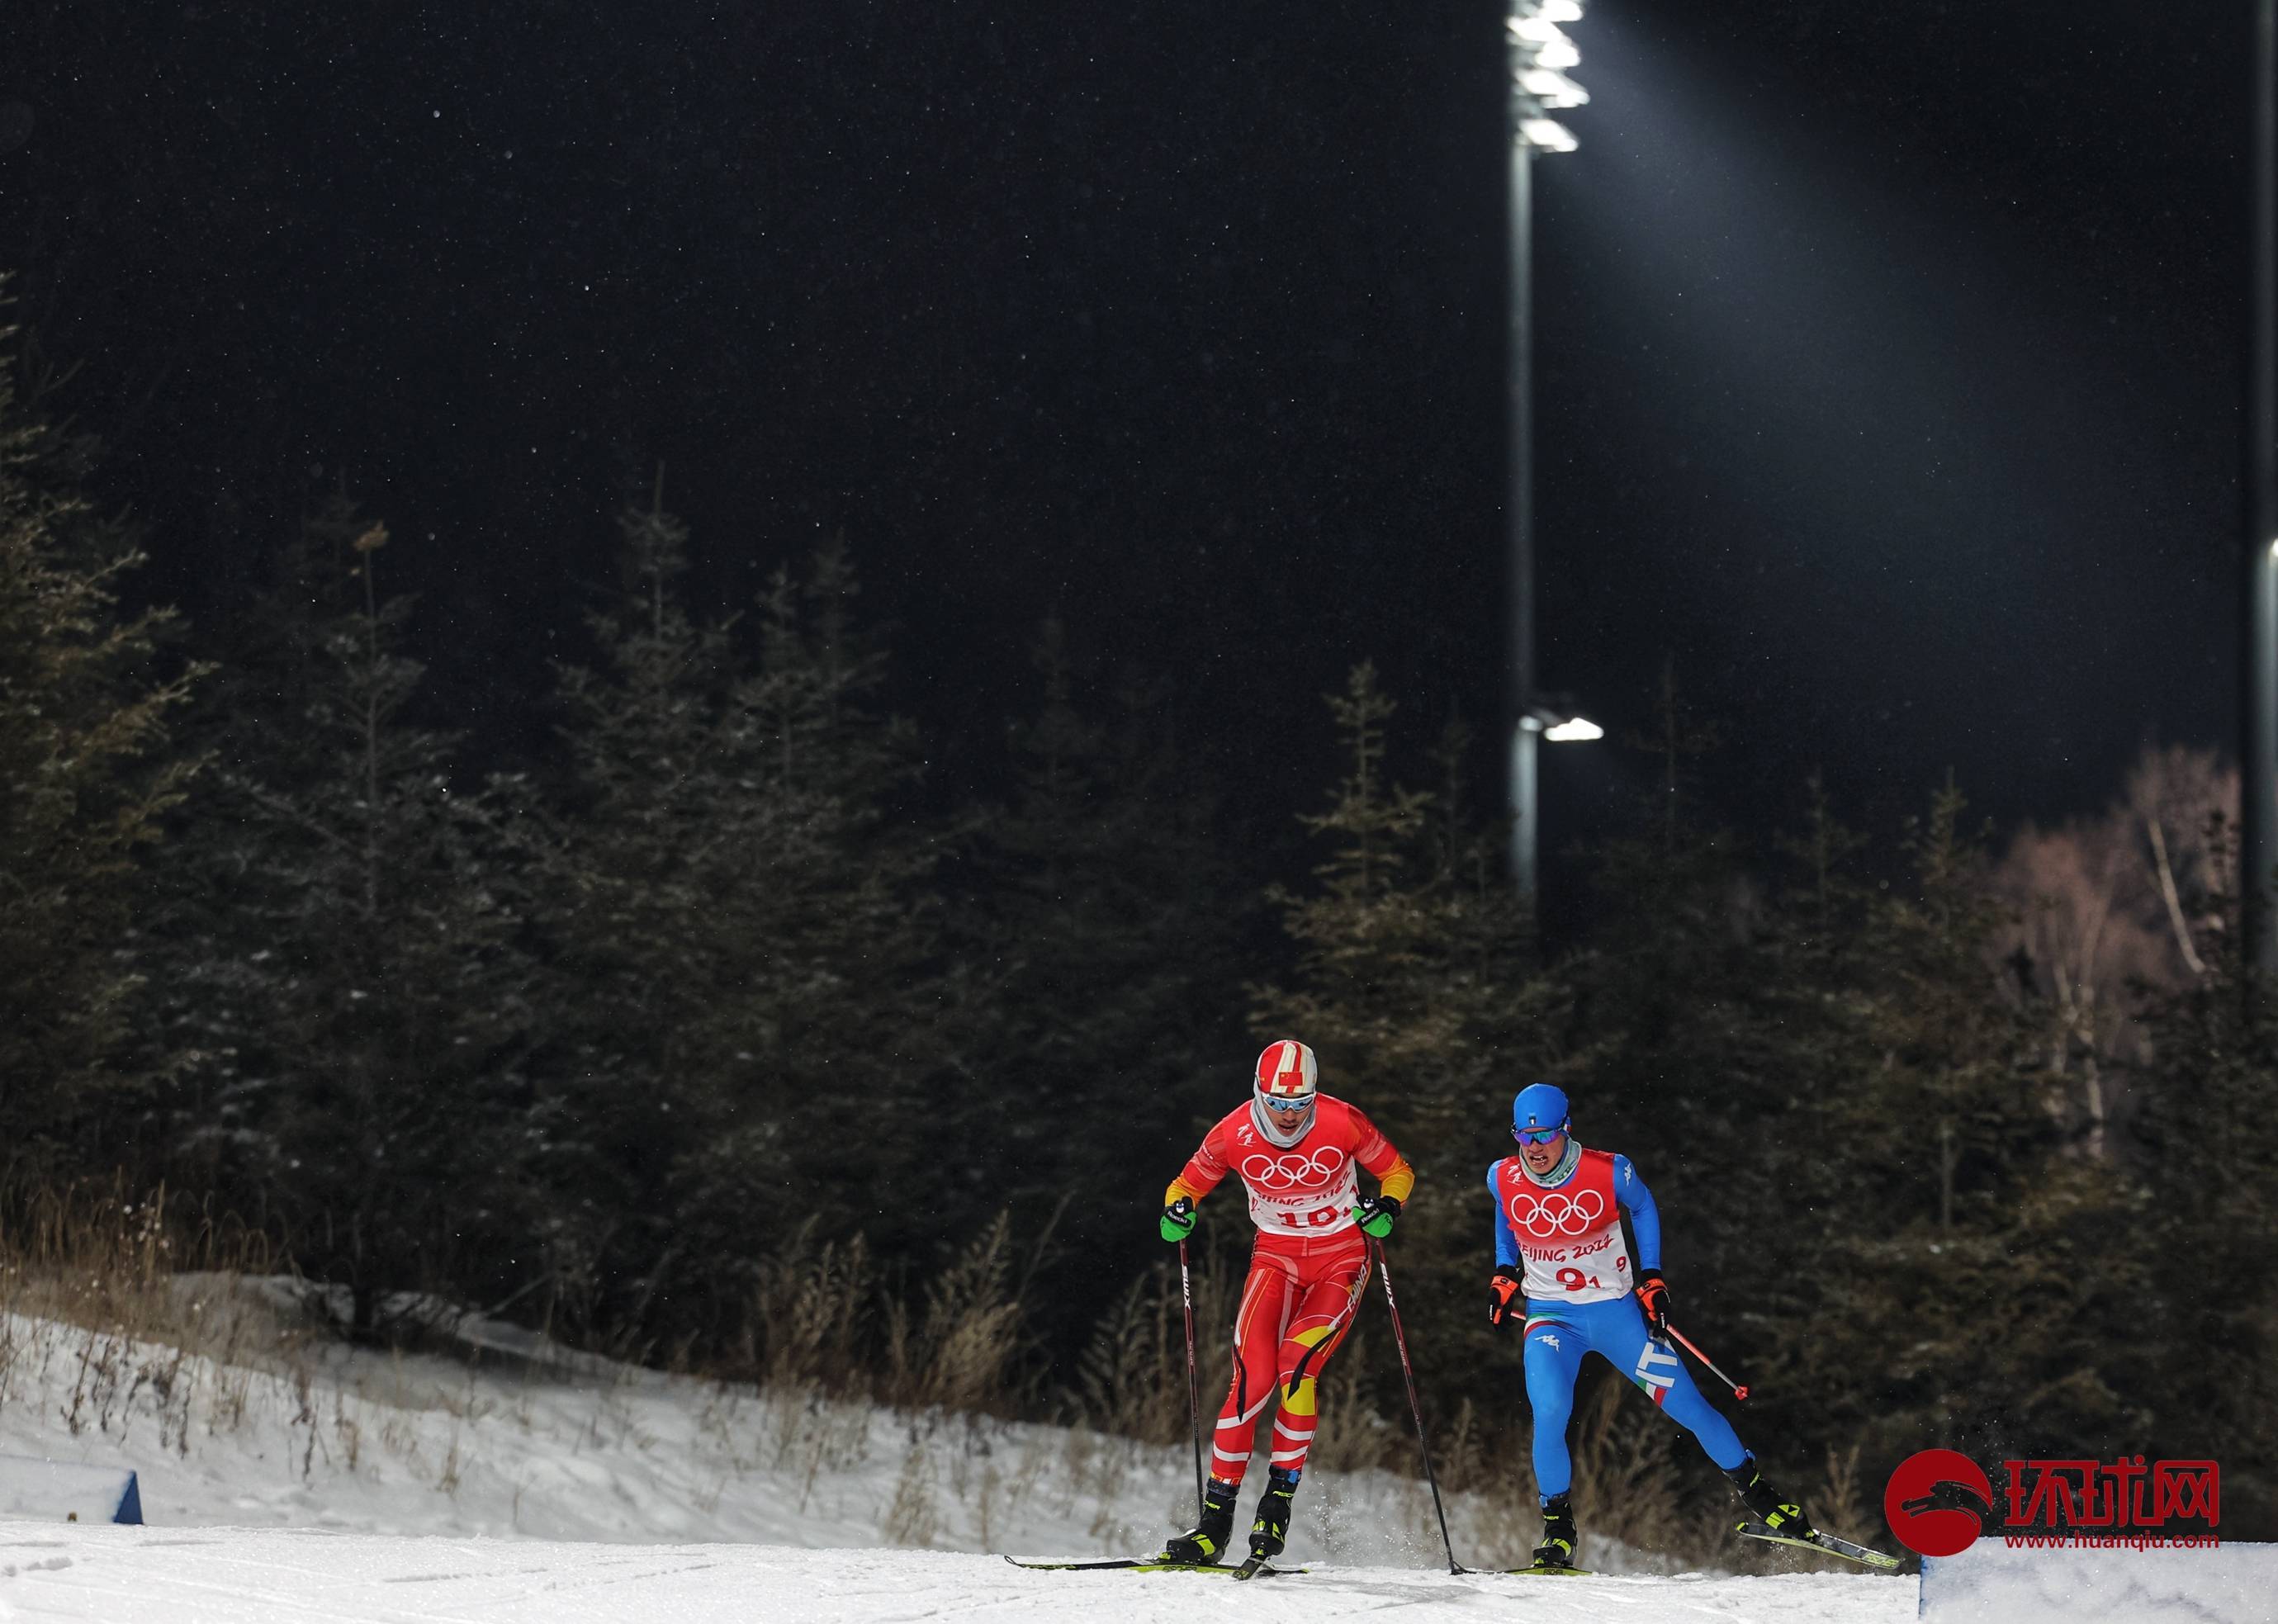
[1194, 1400]
[1415, 1405]
[1739, 1392]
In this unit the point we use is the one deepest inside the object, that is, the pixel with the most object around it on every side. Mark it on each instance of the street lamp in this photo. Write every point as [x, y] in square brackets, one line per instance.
[1551, 719]
[1541, 54]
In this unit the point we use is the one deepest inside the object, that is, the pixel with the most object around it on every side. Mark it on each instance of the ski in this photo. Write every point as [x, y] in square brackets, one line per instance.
[1154, 1565]
[1824, 1543]
[1078, 1567]
[1559, 1573]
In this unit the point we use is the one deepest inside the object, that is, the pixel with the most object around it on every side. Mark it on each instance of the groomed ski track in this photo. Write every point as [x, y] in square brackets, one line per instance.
[222, 1575]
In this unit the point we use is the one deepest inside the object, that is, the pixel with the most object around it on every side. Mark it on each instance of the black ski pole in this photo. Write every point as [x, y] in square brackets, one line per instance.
[1194, 1400]
[1407, 1369]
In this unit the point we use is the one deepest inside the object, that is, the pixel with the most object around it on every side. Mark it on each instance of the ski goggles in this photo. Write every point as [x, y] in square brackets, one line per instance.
[1285, 1101]
[1538, 1136]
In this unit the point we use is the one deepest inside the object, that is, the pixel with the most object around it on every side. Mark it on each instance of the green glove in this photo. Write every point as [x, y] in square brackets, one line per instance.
[1375, 1215]
[1179, 1219]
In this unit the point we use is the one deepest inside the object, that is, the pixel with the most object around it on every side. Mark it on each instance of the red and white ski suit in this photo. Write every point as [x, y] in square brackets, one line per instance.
[1305, 1271]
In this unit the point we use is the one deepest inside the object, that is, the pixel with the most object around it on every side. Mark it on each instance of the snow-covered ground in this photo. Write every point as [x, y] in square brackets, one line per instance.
[233, 1576]
[315, 1482]
[1990, 1584]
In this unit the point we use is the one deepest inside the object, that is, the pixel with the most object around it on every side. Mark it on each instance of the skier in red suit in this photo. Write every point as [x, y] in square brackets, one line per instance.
[1298, 1153]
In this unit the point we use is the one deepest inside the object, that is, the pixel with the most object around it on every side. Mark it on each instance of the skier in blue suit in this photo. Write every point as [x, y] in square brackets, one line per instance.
[1559, 1253]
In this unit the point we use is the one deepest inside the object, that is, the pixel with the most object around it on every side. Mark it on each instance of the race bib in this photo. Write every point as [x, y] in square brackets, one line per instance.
[1300, 1191]
[1570, 1238]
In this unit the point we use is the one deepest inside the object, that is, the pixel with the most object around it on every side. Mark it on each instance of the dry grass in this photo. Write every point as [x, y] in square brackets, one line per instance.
[960, 1354]
[98, 1258]
[134, 1299]
[1131, 1382]
[822, 1323]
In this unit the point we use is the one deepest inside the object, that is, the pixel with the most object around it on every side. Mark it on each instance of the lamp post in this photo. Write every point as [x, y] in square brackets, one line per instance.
[2257, 758]
[1540, 53]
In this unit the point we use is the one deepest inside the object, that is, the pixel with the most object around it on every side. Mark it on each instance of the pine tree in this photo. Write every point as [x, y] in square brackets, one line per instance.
[1814, 1065]
[345, 977]
[1417, 984]
[88, 772]
[1105, 1014]
[1952, 1284]
[2198, 1240]
[741, 914]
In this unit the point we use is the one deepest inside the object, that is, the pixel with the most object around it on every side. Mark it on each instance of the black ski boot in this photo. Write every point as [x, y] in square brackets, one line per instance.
[1559, 1539]
[1206, 1541]
[1271, 1530]
[1764, 1503]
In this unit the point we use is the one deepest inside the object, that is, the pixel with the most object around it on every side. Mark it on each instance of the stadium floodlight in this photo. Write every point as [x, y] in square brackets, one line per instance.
[1552, 89]
[1547, 135]
[1541, 54]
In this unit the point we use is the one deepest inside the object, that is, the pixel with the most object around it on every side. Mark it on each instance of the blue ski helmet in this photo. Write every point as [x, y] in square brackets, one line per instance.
[1539, 1106]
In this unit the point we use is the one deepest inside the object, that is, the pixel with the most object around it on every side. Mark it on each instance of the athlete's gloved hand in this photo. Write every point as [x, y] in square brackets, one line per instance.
[1375, 1214]
[1507, 1288]
[1179, 1219]
[1653, 1299]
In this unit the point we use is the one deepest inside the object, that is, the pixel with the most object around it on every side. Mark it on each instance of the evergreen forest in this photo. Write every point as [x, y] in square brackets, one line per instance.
[713, 991]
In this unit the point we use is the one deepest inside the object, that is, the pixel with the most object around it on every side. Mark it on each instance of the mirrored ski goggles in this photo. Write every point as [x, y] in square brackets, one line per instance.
[1537, 1136]
[1285, 1101]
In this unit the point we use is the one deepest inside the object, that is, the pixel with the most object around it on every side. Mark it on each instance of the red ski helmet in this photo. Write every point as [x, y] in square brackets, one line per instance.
[1287, 1074]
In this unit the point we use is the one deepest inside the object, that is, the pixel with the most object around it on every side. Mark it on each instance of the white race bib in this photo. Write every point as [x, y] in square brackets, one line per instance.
[1571, 1242]
[1299, 1191]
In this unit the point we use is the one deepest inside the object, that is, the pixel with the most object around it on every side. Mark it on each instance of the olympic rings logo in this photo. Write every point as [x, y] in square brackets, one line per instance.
[1293, 1171]
[1545, 1216]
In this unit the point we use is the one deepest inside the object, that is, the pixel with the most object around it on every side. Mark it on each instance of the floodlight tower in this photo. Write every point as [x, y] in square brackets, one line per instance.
[1541, 54]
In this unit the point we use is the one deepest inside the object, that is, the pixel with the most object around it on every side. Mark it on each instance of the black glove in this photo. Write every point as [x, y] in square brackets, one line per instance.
[1375, 1214]
[1178, 1220]
[1653, 1299]
[1508, 1288]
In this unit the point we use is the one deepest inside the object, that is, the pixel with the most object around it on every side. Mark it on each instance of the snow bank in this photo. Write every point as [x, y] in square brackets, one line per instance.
[550, 1445]
[1991, 1584]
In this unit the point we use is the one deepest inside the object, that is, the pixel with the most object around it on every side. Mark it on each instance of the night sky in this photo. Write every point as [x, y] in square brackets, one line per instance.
[1888, 354]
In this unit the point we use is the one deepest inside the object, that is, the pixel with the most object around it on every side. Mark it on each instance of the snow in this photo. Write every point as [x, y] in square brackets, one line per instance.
[1992, 1584]
[115, 1575]
[288, 1480]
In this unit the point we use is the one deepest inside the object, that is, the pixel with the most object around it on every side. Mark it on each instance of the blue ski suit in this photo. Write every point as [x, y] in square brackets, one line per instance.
[1565, 1229]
